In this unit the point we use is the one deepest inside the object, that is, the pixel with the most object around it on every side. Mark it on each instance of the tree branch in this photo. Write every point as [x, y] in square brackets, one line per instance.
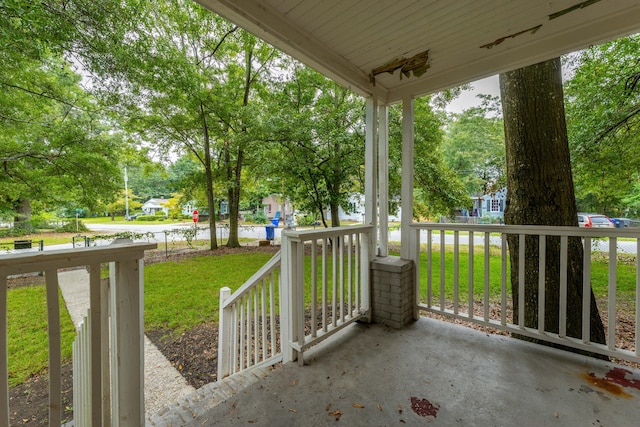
[624, 121]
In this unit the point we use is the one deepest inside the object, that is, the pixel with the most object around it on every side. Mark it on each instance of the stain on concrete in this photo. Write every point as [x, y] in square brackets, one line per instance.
[619, 376]
[424, 408]
[586, 389]
[605, 384]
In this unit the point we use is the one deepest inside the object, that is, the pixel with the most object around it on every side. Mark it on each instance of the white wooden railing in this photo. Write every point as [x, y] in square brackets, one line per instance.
[249, 327]
[125, 330]
[319, 274]
[447, 287]
[82, 376]
[331, 290]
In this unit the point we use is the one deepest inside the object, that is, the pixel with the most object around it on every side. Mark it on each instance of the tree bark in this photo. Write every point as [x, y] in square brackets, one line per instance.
[22, 218]
[233, 194]
[541, 192]
[234, 173]
[335, 215]
[213, 240]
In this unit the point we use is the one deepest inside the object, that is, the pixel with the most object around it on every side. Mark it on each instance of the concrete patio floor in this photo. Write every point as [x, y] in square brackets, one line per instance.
[435, 373]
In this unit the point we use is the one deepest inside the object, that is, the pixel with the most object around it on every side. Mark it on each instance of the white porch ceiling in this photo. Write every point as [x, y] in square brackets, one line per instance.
[466, 39]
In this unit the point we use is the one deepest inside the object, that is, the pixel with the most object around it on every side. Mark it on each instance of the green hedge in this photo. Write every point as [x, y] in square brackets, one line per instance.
[150, 218]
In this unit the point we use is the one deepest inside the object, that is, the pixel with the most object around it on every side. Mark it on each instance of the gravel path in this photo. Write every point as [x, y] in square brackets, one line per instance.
[163, 384]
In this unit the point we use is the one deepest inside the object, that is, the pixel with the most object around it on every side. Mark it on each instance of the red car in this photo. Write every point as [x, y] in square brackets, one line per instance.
[594, 220]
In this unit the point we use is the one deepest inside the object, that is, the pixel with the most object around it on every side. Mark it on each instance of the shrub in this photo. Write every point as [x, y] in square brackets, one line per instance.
[306, 220]
[70, 227]
[258, 218]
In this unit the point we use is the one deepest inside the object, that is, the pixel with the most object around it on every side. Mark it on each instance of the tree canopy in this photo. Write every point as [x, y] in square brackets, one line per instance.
[315, 134]
[169, 79]
[56, 146]
[474, 149]
[603, 106]
[438, 190]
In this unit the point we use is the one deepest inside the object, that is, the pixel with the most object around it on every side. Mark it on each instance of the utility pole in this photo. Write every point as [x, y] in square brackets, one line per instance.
[126, 195]
[283, 213]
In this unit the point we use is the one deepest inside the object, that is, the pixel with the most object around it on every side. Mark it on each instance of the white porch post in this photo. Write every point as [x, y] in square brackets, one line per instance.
[370, 170]
[127, 341]
[407, 177]
[383, 170]
[287, 317]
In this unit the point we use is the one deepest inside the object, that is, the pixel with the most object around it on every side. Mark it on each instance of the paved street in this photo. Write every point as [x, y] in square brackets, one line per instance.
[168, 232]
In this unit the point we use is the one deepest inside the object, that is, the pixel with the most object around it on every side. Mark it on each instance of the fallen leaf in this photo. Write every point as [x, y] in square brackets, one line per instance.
[357, 405]
[180, 367]
[293, 382]
[293, 410]
[328, 406]
[253, 421]
[337, 413]
[379, 407]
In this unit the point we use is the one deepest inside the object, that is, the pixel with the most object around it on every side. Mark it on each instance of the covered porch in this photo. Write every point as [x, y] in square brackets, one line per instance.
[429, 372]
[393, 53]
[371, 374]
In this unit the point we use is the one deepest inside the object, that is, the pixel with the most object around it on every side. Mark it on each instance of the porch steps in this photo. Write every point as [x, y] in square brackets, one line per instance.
[206, 397]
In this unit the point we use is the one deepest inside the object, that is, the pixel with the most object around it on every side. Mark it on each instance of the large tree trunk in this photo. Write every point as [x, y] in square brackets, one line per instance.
[22, 218]
[213, 240]
[335, 215]
[540, 192]
[234, 174]
[233, 193]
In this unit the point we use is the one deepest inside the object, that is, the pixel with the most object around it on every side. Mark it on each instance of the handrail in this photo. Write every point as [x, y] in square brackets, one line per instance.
[126, 326]
[259, 323]
[258, 276]
[309, 235]
[29, 262]
[531, 229]
[436, 299]
[338, 284]
[249, 329]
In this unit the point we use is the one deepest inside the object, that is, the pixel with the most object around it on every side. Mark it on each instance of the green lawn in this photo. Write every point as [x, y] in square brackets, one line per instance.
[626, 276]
[49, 239]
[28, 335]
[180, 295]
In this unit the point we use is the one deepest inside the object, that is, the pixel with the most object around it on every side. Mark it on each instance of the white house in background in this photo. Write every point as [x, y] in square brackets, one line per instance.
[152, 206]
[192, 205]
[356, 210]
[490, 204]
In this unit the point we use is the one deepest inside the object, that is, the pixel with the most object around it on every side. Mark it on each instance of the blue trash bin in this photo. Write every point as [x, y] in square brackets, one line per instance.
[270, 231]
